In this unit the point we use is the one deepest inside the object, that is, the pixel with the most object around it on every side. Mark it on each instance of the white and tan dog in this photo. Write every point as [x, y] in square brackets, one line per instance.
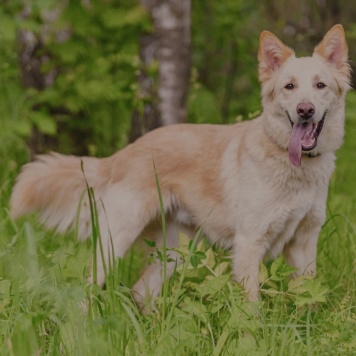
[258, 187]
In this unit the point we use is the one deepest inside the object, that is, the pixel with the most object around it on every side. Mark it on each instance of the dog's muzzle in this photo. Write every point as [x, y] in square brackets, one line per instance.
[304, 137]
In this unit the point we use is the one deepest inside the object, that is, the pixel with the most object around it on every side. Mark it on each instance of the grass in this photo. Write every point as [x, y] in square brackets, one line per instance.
[48, 308]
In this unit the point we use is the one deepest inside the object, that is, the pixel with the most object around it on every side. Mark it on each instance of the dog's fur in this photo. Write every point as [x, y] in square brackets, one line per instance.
[258, 187]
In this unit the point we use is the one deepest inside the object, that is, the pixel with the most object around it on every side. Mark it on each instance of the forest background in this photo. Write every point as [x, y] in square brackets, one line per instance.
[72, 71]
[88, 77]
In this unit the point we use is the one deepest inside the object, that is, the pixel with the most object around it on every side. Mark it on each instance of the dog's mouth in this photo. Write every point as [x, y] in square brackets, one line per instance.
[304, 138]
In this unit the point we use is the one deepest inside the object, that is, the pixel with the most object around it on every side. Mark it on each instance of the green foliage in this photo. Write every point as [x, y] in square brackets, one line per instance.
[225, 59]
[54, 309]
[97, 70]
[203, 105]
[92, 51]
[301, 290]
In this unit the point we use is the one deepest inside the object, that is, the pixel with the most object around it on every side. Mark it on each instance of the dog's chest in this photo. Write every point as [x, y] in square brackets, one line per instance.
[271, 209]
[284, 219]
[293, 200]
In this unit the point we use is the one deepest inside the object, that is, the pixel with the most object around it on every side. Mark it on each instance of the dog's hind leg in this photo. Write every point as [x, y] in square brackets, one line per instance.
[150, 283]
[113, 244]
[122, 217]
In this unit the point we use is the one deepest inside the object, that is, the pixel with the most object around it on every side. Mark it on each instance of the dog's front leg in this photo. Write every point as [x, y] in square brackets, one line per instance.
[246, 262]
[301, 251]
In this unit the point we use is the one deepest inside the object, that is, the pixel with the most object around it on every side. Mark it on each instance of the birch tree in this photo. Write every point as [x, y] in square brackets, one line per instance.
[169, 45]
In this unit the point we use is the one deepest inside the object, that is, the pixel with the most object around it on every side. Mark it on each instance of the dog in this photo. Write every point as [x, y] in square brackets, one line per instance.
[257, 187]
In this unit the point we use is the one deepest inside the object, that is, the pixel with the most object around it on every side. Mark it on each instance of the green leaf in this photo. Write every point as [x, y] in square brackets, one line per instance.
[209, 260]
[192, 246]
[194, 260]
[24, 337]
[297, 285]
[280, 270]
[120, 18]
[263, 273]
[200, 254]
[314, 292]
[196, 257]
[193, 307]
[149, 242]
[221, 268]
[184, 242]
[44, 122]
[276, 265]
[195, 275]
[221, 343]
[5, 287]
[159, 255]
[213, 285]
[22, 128]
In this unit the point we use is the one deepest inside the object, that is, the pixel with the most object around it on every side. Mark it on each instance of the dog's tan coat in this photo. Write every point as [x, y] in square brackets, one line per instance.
[236, 182]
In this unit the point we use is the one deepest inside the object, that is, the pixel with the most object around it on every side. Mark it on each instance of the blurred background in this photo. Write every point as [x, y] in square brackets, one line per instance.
[87, 77]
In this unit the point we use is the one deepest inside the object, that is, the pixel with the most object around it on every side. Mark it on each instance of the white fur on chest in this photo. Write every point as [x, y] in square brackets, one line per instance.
[266, 205]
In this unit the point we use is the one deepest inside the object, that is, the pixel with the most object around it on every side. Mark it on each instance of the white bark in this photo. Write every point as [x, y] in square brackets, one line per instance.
[172, 25]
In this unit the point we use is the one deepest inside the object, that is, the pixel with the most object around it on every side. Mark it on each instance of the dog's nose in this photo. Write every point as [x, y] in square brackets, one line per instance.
[306, 110]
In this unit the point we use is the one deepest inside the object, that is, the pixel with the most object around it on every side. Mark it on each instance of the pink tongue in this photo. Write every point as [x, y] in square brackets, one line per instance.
[299, 132]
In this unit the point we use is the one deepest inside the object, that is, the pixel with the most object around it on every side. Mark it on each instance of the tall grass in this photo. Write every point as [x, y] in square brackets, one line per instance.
[47, 307]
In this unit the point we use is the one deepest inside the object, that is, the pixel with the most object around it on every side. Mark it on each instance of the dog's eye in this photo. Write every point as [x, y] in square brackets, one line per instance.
[289, 86]
[320, 85]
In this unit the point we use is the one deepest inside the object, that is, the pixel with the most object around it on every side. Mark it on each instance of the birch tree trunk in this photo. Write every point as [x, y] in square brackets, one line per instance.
[170, 46]
[172, 23]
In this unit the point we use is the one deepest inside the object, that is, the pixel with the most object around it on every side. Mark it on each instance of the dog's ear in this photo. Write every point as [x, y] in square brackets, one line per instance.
[333, 47]
[271, 55]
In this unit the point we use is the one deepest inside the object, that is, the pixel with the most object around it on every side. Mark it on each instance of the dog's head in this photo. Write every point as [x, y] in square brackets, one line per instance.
[303, 98]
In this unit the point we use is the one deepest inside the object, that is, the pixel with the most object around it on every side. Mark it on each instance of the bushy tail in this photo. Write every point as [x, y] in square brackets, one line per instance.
[54, 185]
